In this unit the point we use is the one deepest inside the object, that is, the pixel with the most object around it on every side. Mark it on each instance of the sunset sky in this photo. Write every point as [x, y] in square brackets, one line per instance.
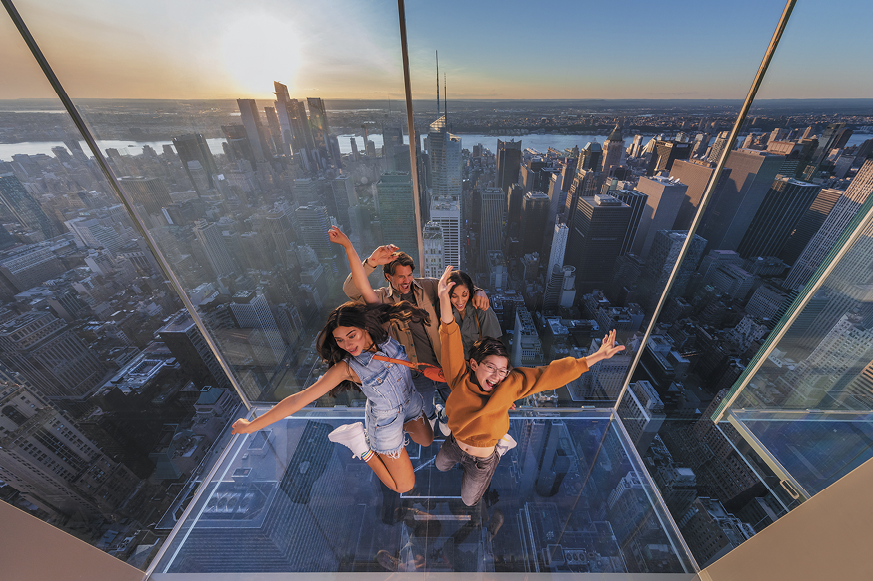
[187, 49]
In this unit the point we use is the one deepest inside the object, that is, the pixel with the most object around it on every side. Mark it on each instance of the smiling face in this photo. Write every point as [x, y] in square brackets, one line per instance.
[459, 296]
[352, 339]
[490, 372]
[401, 280]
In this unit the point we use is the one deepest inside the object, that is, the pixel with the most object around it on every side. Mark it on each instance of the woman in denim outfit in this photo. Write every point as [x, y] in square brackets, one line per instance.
[353, 335]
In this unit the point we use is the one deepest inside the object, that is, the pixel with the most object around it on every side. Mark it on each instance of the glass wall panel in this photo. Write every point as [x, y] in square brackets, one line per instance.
[102, 419]
[573, 158]
[792, 182]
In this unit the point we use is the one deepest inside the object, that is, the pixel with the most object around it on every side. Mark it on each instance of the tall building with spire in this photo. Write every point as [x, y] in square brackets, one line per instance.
[613, 148]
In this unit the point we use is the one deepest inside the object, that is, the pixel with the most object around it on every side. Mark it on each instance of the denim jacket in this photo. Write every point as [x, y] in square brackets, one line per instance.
[386, 385]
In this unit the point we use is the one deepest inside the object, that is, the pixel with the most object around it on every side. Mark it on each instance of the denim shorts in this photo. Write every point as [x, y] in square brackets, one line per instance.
[385, 426]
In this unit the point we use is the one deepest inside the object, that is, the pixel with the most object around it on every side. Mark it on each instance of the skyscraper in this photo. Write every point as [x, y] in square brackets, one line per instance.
[598, 229]
[52, 358]
[559, 246]
[782, 207]
[665, 196]
[314, 226]
[25, 209]
[447, 213]
[809, 224]
[188, 346]
[46, 456]
[823, 241]
[257, 136]
[730, 212]
[151, 193]
[432, 236]
[508, 163]
[534, 227]
[320, 129]
[193, 149]
[212, 241]
[613, 148]
[492, 216]
[397, 211]
[694, 173]
[637, 201]
[444, 150]
[665, 153]
[665, 250]
[252, 311]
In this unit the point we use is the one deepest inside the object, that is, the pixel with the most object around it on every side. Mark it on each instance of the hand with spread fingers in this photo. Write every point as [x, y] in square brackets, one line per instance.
[608, 348]
[383, 255]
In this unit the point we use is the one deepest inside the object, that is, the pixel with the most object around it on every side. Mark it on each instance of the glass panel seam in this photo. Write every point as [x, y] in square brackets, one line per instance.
[410, 131]
[631, 451]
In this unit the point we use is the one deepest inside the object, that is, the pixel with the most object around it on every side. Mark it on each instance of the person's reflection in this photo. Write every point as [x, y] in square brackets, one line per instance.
[425, 550]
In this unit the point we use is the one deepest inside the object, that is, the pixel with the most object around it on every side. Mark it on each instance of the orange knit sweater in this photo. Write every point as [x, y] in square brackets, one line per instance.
[480, 418]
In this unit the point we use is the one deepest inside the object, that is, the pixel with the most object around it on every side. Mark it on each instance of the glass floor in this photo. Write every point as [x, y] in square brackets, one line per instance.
[811, 449]
[571, 497]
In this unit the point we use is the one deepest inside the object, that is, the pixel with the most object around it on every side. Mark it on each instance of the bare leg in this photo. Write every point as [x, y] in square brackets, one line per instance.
[420, 431]
[395, 473]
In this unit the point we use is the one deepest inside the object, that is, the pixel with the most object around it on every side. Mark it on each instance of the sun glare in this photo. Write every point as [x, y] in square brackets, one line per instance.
[259, 49]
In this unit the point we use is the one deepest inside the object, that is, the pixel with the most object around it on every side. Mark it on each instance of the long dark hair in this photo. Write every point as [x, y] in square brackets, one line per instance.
[371, 318]
[462, 279]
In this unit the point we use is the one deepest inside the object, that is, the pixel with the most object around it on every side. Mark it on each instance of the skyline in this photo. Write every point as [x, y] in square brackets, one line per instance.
[225, 52]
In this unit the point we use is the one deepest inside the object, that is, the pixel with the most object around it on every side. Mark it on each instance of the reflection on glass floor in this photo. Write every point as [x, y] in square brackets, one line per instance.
[813, 448]
[567, 498]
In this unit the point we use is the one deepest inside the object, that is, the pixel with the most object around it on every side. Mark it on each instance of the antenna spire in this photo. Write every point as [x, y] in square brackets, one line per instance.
[438, 82]
[445, 101]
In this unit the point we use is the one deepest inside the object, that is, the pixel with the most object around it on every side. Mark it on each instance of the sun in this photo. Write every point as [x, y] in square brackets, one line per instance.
[259, 49]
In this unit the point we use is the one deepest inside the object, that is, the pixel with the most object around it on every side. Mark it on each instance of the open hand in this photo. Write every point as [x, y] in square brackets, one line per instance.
[383, 255]
[336, 235]
[608, 348]
[444, 287]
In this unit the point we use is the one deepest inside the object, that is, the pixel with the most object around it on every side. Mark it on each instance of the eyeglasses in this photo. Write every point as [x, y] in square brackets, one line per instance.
[498, 371]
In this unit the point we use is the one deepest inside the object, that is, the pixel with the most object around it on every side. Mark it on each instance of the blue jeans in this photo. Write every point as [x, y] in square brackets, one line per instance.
[477, 471]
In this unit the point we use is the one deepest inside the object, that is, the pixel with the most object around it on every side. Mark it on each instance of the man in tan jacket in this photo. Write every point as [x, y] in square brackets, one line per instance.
[421, 340]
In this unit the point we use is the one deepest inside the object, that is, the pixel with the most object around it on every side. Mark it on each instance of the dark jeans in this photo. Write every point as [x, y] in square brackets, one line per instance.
[477, 471]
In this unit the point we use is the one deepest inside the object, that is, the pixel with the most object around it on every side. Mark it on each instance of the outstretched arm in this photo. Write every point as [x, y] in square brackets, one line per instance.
[293, 403]
[359, 277]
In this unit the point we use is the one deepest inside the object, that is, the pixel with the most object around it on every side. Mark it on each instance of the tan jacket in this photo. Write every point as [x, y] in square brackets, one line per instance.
[425, 290]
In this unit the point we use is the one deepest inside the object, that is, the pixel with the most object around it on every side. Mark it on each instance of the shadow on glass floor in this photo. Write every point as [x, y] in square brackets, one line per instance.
[568, 498]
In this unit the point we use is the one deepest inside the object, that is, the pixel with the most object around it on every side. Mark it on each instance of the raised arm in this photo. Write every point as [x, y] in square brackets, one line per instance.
[608, 348]
[293, 403]
[359, 277]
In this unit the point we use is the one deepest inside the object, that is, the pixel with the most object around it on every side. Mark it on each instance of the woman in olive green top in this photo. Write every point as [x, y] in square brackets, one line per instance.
[474, 323]
[483, 391]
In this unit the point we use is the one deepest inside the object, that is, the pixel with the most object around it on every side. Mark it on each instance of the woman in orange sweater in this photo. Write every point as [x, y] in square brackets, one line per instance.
[483, 392]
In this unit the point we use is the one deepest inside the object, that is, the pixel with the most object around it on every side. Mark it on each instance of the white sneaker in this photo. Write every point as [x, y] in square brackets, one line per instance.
[444, 420]
[505, 444]
[351, 436]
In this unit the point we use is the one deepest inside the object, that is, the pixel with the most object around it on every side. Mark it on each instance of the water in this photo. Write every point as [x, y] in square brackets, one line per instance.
[539, 142]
